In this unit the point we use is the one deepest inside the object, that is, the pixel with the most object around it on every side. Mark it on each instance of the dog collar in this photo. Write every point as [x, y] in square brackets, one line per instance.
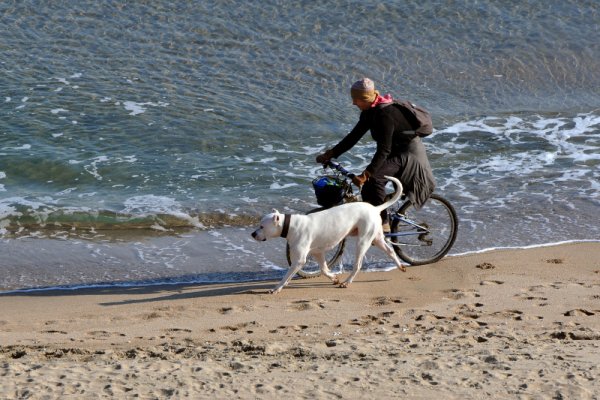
[286, 225]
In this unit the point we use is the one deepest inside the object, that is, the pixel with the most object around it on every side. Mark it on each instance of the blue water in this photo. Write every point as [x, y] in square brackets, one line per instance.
[141, 142]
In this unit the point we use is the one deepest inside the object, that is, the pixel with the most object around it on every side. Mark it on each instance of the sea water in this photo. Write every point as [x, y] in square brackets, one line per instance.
[141, 142]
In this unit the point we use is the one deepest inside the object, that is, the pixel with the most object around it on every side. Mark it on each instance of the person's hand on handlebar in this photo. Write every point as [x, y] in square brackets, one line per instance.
[360, 180]
[323, 158]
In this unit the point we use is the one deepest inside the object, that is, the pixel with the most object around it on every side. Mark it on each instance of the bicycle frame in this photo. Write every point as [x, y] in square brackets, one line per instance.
[419, 229]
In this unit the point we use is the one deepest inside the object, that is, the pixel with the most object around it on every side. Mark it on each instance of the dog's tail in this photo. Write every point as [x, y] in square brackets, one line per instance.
[395, 197]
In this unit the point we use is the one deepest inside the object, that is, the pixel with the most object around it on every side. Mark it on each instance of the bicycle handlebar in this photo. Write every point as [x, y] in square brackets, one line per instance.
[338, 167]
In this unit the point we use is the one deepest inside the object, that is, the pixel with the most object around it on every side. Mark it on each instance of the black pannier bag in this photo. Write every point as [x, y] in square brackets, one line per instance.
[329, 190]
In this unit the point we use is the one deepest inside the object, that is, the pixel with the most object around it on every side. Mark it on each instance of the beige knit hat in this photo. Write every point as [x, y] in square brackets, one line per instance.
[364, 89]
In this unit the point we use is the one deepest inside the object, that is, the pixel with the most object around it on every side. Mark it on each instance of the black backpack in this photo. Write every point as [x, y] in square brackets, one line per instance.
[418, 117]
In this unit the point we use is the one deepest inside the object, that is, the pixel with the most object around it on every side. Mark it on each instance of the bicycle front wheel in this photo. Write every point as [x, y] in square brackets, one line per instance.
[311, 269]
[425, 235]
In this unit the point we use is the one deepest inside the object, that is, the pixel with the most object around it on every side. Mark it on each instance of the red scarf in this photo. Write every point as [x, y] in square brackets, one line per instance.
[382, 100]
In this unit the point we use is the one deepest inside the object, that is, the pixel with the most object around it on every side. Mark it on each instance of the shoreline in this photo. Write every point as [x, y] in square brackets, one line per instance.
[174, 282]
[505, 323]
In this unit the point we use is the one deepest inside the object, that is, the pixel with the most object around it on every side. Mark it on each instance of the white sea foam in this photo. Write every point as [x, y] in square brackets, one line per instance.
[530, 147]
[92, 168]
[22, 147]
[66, 191]
[140, 108]
[135, 108]
[278, 186]
[533, 246]
[269, 148]
[149, 205]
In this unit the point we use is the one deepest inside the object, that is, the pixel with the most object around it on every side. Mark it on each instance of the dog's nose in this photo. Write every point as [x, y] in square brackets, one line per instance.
[254, 234]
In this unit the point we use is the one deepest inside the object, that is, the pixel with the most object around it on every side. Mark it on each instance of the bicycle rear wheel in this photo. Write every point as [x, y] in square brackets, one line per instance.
[427, 234]
[311, 269]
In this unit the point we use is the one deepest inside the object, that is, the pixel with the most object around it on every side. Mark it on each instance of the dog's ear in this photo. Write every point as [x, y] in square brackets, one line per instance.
[275, 211]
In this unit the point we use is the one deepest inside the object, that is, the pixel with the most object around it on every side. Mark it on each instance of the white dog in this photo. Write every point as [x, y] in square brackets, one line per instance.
[318, 232]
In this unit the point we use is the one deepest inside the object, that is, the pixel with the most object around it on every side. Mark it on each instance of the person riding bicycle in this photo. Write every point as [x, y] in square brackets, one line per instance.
[400, 151]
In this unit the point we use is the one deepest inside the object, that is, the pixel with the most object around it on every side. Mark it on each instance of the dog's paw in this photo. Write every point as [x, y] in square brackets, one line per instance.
[344, 285]
[402, 268]
[275, 291]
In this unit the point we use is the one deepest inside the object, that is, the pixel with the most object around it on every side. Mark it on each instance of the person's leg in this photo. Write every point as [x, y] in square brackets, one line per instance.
[373, 191]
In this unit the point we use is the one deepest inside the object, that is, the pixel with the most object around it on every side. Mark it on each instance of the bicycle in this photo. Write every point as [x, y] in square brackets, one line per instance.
[418, 236]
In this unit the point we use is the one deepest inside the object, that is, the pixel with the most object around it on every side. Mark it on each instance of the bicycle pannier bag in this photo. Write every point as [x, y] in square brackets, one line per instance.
[329, 190]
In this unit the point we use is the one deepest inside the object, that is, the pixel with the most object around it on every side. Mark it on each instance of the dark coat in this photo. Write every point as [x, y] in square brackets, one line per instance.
[395, 138]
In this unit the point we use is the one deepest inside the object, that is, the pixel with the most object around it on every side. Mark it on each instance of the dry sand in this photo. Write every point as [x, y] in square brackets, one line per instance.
[502, 324]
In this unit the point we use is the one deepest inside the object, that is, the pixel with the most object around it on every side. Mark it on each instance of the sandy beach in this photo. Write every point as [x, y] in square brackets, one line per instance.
[500, 324]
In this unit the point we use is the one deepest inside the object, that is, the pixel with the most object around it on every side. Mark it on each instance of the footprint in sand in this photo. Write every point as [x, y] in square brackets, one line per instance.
[492, 282]
[243, 325]
[165, 311]
[305, 305]
[55, 331]
[104, 334]
[152, 315]
[286, 329]
[578, 313]
[380, 319]
[230, 310]
[177, 330]
[469, 310]
[384, 301]
[430, 317]
[584, 334]
[485, 265]
[302, 305]
[524, 296]
[517, 315]
[514, 314]
[456, 294]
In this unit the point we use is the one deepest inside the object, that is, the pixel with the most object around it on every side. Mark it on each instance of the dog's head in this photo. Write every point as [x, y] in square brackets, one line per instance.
[270, 226]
